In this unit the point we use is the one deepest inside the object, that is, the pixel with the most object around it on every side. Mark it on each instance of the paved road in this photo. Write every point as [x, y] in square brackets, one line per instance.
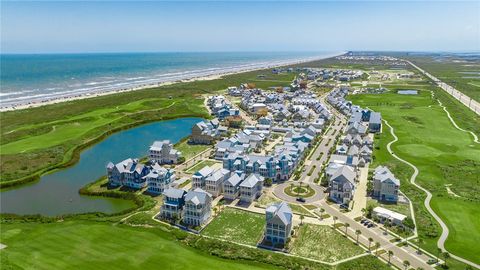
[400, 254]
[445, 231]
[464, 99]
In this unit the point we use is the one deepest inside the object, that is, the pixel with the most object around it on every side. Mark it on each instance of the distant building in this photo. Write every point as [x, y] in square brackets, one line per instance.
[159, 179]
[384, 214]
[278, 223]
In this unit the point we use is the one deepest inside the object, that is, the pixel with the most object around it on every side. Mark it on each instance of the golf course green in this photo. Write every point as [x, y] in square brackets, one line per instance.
[448, 160]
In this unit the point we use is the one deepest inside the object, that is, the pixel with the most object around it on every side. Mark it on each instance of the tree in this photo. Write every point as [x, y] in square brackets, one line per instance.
[346, 227]
[358, 232]
[377, 245]
[334, 220]
[419, 242]
[364, 211]
[321, 213]
[406, 263]
[439, 251]
[390, 254]
[408, 223]
[301, 219]
[370, 240]
[446, 256]
[215, 209]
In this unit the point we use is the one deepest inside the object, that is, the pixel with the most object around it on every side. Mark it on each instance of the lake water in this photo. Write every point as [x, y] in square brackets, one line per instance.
[57, 193]
[408, 92]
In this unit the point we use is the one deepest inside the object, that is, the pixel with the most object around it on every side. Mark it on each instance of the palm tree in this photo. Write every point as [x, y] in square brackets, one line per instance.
[439, 250]
[301, 219]
[321, 213]
[420, 268]
[370, 240]
[358, 232]
[390, 254]
[406, 264]
[377, 245]
[364, 211]
[446, 255]
[346, 227]
[334, 220]
[419, 242]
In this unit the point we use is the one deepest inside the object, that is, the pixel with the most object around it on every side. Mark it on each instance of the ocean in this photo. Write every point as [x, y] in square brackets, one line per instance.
[41, 77]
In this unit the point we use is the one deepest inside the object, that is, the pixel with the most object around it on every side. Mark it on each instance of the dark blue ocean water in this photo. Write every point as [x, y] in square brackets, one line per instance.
[26, 78]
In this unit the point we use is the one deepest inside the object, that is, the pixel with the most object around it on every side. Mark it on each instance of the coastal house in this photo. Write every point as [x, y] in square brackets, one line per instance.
[278, 226]
[214, 182]
[198, 207]
[251, 188]
[198, 178]
[341, 185]
[129, 173]
[385, 185]
[231, 186]
[163, 152]
[173, 202]
[375, 122]
[159, 179]
[206, 132]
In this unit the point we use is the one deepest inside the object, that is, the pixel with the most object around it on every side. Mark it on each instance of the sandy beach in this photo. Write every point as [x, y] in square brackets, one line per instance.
[65, 98]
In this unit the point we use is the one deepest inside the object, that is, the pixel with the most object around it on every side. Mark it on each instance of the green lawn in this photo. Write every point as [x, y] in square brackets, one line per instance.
[444, 156]
[92, 245]
[198, 166]
[323, 243]
[190, 150]
[237, 226]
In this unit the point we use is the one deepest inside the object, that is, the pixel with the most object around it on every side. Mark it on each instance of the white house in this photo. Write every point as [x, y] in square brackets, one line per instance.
[385, 185]
[251, 188]
[163, 152]
[278, 223]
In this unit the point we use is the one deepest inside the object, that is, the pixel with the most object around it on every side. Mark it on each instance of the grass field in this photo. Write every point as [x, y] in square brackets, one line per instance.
[198, 166]
[237, 226]
[323, 243]
[457, 72]
[444, 156]
[90, 245]
[190, 150]
[36, 140]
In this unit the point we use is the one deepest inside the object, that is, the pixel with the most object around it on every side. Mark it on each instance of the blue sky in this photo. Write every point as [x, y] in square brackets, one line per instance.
[56, 27]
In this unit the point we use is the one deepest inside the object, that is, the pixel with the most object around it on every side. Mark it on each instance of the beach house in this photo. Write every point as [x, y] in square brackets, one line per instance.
[341, 185]
[278, 226]
[163, 152]
[385, 185]
[198, 207]
[129, 173]
[159, 179]
[173, 202]
[251, 188]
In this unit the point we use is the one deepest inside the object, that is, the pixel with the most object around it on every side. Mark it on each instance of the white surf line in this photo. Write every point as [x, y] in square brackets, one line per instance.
[445, 232]
[475, 138]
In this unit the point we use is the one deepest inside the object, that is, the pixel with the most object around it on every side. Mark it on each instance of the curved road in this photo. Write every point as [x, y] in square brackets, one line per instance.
[444, 235]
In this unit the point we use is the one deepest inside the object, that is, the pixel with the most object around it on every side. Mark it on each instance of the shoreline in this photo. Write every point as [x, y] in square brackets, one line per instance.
[213, 76]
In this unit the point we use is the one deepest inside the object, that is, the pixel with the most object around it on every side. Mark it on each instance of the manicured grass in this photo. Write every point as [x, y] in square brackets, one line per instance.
[201, 164]
[304, 191]
[443, 154]
[364, 263]
[237, 226]
[92, 245]
[323, 243]
[190, 150]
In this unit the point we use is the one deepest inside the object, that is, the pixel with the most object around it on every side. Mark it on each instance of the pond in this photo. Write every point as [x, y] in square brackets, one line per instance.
[408, 92]
[57, 193]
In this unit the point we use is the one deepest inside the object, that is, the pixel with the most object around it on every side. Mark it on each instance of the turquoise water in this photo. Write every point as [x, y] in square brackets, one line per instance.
[57, 193]
[27, 78]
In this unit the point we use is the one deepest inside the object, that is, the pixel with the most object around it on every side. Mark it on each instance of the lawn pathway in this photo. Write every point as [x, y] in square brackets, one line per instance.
[445, 231]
